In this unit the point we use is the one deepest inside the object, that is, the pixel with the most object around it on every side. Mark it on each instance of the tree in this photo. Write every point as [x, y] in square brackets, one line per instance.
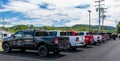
[118, 27]
[17, 28]
[32, 27]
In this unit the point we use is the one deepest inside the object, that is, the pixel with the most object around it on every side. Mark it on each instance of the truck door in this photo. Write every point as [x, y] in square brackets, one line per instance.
[28, 39]
[18, 42]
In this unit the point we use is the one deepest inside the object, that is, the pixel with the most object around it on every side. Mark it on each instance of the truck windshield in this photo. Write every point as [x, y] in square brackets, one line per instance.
[52, 33]
[39, 33]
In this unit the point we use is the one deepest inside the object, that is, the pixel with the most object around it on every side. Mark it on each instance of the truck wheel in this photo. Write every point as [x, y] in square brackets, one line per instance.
[43, 51]
[85, 45]
[97, 43]
[74, 48]
[56, 52]
[22, 50]
[114, 38]
[6, 48]
[94, 43]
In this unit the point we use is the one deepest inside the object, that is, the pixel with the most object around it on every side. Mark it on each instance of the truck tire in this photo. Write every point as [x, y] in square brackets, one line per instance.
[22, 50]
[114, 38]
[73, 48]
[94, 43]
[56, 52]
[85, 45]
[6, 48]
[43, 51]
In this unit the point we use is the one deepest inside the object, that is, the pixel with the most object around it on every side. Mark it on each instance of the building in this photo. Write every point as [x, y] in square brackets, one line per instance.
[4, 34]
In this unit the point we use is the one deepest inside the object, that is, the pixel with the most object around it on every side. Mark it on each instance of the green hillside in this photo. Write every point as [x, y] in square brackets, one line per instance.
[78, 27]
[95, 27]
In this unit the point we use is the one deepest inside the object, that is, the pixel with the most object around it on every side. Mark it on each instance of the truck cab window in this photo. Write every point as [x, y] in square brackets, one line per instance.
[52, 33]
[41, 34]
[18, 34]
[28, 34]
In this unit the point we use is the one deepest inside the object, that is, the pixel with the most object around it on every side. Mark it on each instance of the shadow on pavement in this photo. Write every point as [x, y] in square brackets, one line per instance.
[97, 45]
[73, 51]
[30, 54]
[87, 47]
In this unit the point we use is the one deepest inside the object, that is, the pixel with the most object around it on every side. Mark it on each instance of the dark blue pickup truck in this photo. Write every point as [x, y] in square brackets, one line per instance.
[35, 40]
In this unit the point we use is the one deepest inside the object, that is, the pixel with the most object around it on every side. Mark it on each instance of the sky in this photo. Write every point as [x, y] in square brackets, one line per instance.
[56, 12]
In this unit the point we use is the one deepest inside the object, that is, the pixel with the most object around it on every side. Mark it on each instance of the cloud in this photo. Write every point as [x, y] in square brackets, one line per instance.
[19, 6]
[60, 12]
[4, 10]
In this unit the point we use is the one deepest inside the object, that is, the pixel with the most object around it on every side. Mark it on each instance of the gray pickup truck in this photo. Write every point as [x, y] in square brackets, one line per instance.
[35, 40]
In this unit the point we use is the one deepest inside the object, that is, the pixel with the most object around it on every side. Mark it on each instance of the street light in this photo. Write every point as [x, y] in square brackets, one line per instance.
[89, 20]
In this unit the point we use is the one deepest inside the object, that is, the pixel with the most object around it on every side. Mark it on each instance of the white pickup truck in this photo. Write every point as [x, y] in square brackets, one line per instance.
[75, 41]
[97, 37]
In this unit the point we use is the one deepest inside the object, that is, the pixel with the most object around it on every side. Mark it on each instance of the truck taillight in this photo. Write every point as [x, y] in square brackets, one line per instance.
[56, 40]
[86, 38]
[77, 39]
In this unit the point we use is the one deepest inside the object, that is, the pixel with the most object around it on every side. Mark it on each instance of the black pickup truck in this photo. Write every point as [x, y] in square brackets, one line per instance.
[35, 40]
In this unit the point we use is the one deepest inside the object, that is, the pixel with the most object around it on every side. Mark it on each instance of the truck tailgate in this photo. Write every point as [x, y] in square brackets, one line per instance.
[63, 40]
[76, 41]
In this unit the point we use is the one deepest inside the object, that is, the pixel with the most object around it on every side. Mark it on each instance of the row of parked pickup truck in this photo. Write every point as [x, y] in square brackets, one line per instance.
[55, 41]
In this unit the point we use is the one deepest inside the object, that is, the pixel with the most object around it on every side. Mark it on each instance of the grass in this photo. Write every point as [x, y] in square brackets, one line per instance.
[1, 45]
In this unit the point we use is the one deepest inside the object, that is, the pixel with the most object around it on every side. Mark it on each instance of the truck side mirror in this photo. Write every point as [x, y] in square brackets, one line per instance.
[13, 36]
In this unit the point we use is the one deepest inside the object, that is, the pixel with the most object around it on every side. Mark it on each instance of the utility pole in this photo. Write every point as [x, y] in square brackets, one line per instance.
[89, 20]
[103, 23]
[116, 21]
[103, 17]
[99, 13]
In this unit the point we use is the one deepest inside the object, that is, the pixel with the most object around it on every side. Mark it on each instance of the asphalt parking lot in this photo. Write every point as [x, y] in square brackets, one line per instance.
[109, 51]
